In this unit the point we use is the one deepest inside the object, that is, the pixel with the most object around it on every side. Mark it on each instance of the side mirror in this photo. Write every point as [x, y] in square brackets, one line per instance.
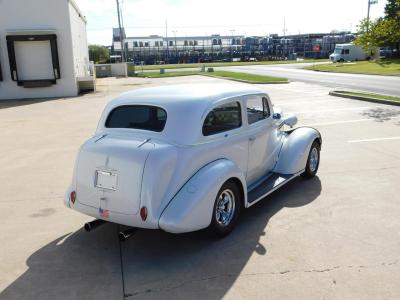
[290, 120]
[276, 116]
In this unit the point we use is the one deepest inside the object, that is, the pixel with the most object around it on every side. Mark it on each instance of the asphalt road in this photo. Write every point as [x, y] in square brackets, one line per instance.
[389, 85]
[336, 236]
[373, 83]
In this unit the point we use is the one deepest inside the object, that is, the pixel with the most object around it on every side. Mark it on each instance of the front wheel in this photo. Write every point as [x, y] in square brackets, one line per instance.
[226, 209]
[312, 161]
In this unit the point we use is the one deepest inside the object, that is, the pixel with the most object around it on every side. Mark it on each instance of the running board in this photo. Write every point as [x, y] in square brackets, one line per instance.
[267, 186]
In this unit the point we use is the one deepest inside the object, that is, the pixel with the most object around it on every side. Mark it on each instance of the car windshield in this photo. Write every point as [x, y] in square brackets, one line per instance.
[338, 51]
[142, 117]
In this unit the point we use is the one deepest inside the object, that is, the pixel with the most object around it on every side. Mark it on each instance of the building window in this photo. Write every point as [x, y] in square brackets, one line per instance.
[156, 43]
[140, 44]
[171, 43]
[185, 43]
[135, 44]
[146, 44]
[195, 43]
[161, 44]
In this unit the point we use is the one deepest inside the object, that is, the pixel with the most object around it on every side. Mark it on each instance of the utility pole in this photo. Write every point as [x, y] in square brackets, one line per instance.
[120, 33]
[233, 42]
[166, 37]
[284, 27]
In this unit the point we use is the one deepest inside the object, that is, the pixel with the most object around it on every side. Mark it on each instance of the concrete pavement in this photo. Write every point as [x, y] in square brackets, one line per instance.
[335, 236]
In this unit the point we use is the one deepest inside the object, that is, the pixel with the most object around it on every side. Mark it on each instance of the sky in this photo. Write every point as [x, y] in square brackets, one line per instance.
[225, 17]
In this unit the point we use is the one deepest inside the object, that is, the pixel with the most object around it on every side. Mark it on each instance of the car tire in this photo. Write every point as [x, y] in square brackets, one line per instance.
[226, 209]
[312, 160]
[341, 60]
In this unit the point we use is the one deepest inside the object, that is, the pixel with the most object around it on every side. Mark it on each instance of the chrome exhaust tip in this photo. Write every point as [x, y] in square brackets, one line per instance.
[93, 225]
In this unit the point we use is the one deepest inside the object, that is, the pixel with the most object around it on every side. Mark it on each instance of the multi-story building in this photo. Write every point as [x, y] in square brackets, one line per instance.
[155, 49]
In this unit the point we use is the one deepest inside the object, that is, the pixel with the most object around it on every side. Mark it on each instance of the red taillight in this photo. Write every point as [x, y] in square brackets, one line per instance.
[72, 197]
[143, 213]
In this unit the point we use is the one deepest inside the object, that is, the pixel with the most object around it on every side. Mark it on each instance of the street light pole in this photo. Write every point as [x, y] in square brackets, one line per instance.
[369, 6]
[176, 49]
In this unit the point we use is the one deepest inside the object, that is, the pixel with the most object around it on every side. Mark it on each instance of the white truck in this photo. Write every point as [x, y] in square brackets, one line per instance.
[347, 52]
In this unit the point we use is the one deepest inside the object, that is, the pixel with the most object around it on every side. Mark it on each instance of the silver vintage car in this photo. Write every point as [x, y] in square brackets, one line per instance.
[186, 157]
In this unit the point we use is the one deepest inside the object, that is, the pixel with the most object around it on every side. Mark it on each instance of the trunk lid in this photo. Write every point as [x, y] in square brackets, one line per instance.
[109, 172]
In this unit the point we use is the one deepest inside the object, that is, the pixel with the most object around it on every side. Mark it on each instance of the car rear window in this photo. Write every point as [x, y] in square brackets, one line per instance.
[142, 117]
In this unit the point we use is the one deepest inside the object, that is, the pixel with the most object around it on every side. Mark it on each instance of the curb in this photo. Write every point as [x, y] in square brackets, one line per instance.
[368, 99]
[245, 81]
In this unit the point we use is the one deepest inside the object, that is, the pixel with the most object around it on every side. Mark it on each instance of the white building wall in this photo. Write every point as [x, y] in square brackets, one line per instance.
[79, 40]
[22, 15]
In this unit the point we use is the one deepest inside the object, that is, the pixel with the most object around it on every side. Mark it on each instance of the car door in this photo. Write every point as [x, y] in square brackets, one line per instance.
[263, 138]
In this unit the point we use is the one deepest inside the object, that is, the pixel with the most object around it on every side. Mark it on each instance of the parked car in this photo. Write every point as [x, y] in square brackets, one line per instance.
[347, 52]
[186, 157]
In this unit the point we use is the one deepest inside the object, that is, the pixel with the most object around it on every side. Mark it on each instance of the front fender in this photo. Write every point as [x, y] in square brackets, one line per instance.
[295, 149]
[192, 207]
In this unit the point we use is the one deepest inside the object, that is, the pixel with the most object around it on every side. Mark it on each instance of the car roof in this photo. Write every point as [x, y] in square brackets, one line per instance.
[195, 94]
[186, 105]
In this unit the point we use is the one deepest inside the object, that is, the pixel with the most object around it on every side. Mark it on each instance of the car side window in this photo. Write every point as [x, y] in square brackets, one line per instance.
[223, 118]
[347, 51]
[257, 109]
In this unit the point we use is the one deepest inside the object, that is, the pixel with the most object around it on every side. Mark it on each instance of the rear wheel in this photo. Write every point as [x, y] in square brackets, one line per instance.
[226, 209]
[312, 161]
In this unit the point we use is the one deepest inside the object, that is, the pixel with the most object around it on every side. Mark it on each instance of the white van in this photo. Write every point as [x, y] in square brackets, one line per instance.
[347, 52]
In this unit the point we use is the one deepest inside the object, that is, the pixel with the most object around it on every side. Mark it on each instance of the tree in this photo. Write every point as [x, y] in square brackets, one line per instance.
[392, 9]
[391, 24]
[98, 54]
[382, 32]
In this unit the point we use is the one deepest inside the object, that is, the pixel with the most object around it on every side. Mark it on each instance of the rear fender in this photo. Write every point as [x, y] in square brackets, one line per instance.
[295, 149]
[191, 208]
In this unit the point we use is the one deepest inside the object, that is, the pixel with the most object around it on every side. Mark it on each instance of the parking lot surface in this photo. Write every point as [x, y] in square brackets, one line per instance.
[336, 236]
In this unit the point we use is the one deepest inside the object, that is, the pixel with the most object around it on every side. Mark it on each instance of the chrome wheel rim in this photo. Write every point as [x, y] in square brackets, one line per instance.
[225, 208]
[314, 160]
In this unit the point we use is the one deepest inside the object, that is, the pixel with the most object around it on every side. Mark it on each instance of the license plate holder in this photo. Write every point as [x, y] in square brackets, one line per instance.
[106, 180]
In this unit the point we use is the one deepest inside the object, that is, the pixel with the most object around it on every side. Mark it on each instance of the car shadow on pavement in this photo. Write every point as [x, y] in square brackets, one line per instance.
[154, 264]
[22, 102]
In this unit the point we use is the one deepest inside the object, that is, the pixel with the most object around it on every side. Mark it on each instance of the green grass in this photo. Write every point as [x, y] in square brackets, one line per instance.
[245, 77]
[250, 78]
[369, 95]
[222, 64]
[378, 67]
[167, 74]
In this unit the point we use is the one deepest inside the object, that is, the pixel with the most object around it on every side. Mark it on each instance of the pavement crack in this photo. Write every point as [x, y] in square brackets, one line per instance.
[279, 273]
[124, 294]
